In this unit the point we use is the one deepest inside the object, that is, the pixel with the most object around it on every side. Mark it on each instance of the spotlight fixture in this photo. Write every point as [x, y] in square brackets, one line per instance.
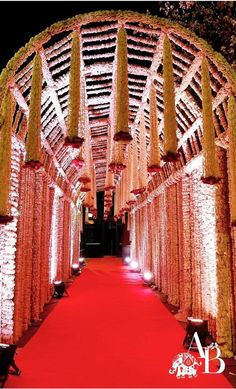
[59, 289]
[75, 269]
[127, 260]
[196, 325]
[82, 261]
[7, 353]
[134, 266]
[148, 278]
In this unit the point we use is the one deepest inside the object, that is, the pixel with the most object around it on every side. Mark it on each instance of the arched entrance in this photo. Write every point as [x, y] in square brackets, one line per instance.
[181, 227]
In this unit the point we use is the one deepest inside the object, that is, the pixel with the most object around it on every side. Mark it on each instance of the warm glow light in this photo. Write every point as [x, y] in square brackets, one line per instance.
[127, 260]
[195, 320]
[57, 282]
[147, 276]
[81, 260]
[134, 265]
[75, 266]
[90, 214]
[54, 236]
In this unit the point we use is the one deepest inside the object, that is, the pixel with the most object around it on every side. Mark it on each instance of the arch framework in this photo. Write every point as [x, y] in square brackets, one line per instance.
[179, 228]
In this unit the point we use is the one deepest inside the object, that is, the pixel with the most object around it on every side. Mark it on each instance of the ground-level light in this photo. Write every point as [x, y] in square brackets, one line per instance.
[134, 265]
[82, 261]
[200, 327]
[59, 289]
[75, 269]
[127, 260]
[148, 277]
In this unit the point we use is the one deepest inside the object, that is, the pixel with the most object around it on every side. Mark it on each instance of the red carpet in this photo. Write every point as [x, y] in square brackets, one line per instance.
[112, 331]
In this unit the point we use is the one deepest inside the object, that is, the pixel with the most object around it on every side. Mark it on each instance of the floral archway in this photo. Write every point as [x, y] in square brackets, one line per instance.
[124, 102]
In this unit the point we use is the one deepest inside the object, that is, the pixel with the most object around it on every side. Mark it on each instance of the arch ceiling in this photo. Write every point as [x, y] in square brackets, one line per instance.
[98, 35]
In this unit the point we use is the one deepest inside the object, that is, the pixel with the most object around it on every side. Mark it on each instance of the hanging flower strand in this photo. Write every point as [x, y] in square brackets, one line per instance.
[232, 157]
[143, 152]
[5, 156]
[122, 91]
[33, 142]
[136, 187]
[209, 152]
[170, 125]
[73, 138]
[154, 161]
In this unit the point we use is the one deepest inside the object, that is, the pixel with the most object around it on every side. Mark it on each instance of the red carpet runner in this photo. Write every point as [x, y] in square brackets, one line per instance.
[112, 331]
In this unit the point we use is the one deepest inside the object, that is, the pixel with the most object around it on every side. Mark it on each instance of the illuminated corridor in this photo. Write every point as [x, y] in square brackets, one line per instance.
[117, 139]
[112, 331]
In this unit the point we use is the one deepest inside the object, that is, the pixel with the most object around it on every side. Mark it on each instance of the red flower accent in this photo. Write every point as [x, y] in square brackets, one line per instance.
[131, 202]
[123, 136]
[75, 142]
[111, 187]
[4, 219]
[78, 162]
[84, 189]
[116, 167]
[84, 179]
[211, 180]
[170, 157]
[153, 168]
[35, 165]
[138, 191]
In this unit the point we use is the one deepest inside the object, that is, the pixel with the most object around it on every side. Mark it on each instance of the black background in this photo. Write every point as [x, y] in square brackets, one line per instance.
[22, 20]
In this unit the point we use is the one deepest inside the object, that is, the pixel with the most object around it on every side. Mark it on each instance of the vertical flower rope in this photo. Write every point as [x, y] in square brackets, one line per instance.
[170, 125]
[122, 91]
[209, 148]
[154, 160]
[33, 142]
[136, 187]
[131, 197]
[232, 157]
[74, 138]
[143, 152]
[5, 156]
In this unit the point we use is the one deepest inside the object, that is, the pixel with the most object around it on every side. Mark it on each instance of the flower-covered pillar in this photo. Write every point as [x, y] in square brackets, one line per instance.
[224, 318]
[185, 257]
[231, 161]
[38, 227]
[54, 244]
[66, 240]
[23, 271]
[8, 243]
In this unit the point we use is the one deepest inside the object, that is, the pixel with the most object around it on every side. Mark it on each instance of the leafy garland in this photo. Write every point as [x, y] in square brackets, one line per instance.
[5, 156]
[73, 138]
[232, 157]
[33, 142]
[170, 125]
[154, 162]
[209, 152]
[69, 24]
[122, 91]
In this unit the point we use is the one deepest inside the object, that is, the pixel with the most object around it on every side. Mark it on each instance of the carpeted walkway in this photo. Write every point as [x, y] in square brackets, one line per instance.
[112, 331]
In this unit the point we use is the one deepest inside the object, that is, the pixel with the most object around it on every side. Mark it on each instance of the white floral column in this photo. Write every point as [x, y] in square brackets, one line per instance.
[8, 240]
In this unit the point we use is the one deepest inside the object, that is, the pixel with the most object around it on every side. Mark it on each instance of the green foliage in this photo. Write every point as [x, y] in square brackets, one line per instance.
[214, 21]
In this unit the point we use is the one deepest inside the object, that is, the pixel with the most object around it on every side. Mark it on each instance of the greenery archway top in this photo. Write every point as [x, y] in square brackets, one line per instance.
[100, 16]
[98, 38]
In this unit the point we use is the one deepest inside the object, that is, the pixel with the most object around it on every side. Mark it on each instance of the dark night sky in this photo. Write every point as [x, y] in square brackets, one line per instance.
[21, 20]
